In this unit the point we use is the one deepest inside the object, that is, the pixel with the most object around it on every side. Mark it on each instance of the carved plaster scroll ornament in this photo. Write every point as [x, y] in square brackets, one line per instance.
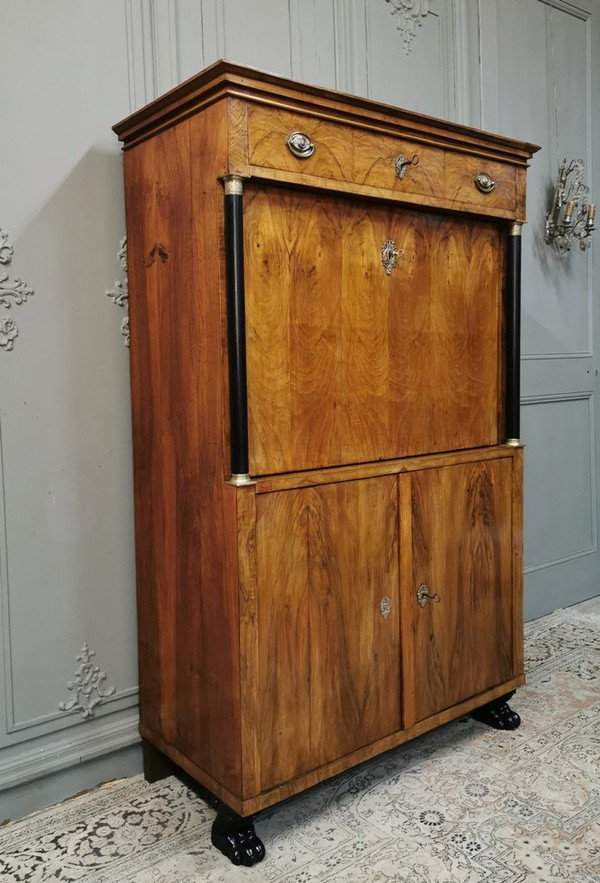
[119, 293]
[409, 15]
[13, 292]
[88, 686]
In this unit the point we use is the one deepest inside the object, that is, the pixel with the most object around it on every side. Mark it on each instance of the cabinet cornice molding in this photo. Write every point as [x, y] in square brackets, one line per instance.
[225, 79]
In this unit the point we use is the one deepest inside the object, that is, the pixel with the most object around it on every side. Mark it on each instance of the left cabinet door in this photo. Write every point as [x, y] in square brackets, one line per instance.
[328, 623]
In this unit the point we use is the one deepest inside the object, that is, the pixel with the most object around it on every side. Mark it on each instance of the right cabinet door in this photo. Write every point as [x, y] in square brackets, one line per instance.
[457, 547]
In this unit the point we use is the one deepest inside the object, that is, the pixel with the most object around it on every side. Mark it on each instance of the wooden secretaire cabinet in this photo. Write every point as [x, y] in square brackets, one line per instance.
[324, 313]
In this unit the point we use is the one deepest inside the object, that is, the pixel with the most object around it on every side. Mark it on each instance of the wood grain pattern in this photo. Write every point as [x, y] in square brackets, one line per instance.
[375, 164]
[376, 409]
[461, 172]
[313, 478]
[461, 549]
[268, 132]
[347, 364]
[185, 517]
[320, 774]
[249, 638]
[517, 562]
[329, 661]
[237, 138]
[267, 90]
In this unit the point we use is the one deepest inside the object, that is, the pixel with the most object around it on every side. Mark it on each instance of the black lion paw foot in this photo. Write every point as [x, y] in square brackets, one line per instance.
[235, 838]
[498, 714]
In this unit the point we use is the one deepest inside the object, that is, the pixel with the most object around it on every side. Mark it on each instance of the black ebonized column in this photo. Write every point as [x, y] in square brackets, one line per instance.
[236, 329]
[513, 336]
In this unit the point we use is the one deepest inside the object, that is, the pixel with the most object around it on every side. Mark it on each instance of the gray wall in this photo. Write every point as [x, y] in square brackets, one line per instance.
[69, 70]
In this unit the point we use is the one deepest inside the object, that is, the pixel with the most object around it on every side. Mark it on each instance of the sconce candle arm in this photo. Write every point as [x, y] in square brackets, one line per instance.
[570, 216]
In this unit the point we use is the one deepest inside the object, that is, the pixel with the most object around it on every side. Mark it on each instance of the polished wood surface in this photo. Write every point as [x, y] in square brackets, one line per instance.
[186, 537]
[375, 165]
[225, 79]
[461, 172]
[314, 477]
[377, 414]
[348, 364]
[329, 661]
[461, 550]
[268, 132]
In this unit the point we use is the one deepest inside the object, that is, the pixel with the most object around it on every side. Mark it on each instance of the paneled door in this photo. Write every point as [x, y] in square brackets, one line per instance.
[457, 548]
[353, 357]
[328, 622]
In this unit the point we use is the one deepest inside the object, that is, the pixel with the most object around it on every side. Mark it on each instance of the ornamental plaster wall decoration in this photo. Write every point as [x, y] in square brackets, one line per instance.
[13, 292]
[119, 293]
[409, 16]
[88, 680]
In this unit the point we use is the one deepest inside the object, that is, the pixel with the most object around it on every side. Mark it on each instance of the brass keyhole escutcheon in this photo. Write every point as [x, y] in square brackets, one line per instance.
[423, 595]
[390, 255]
[385, 606]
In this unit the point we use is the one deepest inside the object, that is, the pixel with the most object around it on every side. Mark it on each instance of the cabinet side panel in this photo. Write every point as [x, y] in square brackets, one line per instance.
[185, 515]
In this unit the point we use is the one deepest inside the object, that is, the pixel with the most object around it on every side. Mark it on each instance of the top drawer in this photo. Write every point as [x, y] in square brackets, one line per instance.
[338, 152]
[303, 145]
[483, 183]
[328, 153]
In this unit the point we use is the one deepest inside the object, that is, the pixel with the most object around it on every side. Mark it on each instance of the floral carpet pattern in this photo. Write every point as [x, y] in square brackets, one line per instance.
[461, 804]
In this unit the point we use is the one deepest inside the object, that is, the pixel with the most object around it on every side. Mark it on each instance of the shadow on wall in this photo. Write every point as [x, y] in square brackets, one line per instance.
[66, 440]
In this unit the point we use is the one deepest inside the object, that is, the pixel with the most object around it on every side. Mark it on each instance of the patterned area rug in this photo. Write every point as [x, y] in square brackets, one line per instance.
[461, 804]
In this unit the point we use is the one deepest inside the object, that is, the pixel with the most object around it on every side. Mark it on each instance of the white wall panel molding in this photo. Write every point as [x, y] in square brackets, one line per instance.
[426, 79]
[69, 751]
[489, 76]
[13, 292]
[582, 11]
[54, 722]
[311, 26]
[554, 483]
[118, 701]
[213, 30]
[151, 49]
[466, 62]
[6, 655]
[351, 49]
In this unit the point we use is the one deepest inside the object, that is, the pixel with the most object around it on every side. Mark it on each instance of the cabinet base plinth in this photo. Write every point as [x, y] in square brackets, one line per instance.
[236, 839]
[498, 714]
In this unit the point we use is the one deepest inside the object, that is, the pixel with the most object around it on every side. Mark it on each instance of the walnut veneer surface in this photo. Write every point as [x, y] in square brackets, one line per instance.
[281, 639]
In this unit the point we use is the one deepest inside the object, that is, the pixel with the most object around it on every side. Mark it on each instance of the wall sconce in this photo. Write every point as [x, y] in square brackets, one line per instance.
[570, 216]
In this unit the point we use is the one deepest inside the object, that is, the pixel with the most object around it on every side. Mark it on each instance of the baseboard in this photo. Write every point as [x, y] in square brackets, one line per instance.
[45, 774]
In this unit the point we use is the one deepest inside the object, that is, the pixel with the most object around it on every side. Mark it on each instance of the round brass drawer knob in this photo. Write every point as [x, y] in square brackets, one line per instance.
[484, 183]
[300, 145]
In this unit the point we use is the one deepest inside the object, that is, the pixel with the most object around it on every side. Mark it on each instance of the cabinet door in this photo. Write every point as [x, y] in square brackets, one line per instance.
[348, 363]
[329, 661]
[457, 540]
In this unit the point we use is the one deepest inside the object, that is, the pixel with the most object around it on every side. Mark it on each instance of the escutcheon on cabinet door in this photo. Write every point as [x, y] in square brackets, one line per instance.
[458, 542]
[328, 622]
